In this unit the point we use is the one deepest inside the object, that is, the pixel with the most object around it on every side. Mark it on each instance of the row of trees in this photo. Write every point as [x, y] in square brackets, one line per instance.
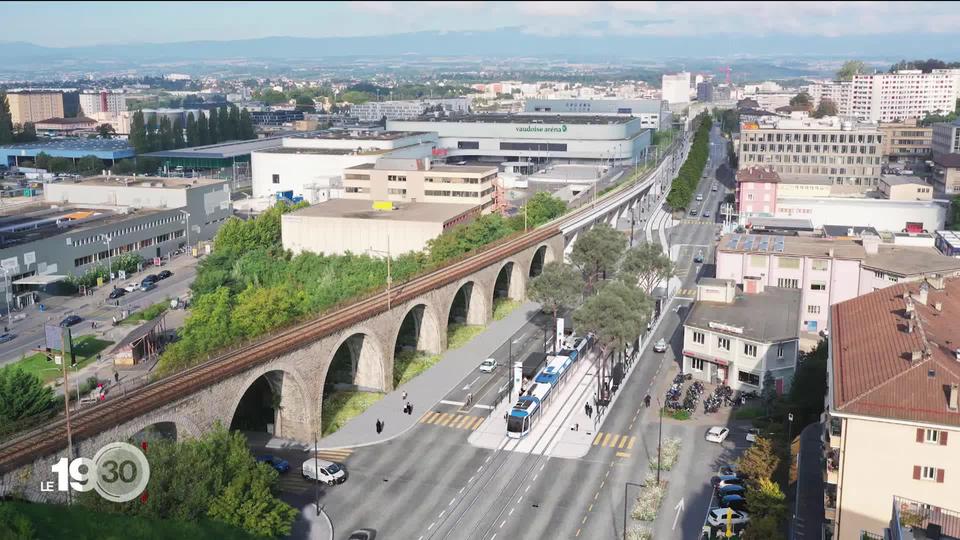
[826, 107]
[222, 124]
[685, 184]
[10, 132]
[768, 504]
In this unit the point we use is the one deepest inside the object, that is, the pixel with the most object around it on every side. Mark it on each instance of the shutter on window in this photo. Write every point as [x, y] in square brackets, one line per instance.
[919, 434]
[939, 476]
[916, 472]
[943, 438]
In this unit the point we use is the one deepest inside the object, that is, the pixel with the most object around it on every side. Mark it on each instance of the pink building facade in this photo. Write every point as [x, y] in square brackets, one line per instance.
[757, 192]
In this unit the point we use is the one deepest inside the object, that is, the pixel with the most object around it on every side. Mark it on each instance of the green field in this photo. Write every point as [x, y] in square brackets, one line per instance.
[27, 521]
[85, 347]
[339, 407]
[148, 313]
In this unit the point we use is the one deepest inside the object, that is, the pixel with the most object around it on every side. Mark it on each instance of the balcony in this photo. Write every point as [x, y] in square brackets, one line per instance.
[830, 502]
[831, 466]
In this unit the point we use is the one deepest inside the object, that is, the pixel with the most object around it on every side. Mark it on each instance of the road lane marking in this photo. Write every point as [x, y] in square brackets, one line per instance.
[623, 441]
[623, 454]
[502, 523]
[597, 438]
[511, 511]
[441, 514]
[528, 488]
[606, 439]
[595, 495]
[453, 500]
[431, 525]
[455, 403]
[630, 444]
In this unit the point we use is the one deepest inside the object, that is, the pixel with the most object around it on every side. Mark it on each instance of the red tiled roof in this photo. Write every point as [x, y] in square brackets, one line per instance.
[873, 370]
[757, 174]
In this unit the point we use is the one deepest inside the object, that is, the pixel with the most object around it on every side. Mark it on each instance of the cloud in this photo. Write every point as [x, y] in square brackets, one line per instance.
[380, 8]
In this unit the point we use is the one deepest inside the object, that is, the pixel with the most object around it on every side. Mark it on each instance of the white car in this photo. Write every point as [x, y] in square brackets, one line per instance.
[131, 287]
[718, 517]
[488, 365]
[699, 196]
[717, 434]
[660, 346]
[752, 434]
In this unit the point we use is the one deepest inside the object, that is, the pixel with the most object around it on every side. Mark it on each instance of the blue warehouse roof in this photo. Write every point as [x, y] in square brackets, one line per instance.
[69, 148]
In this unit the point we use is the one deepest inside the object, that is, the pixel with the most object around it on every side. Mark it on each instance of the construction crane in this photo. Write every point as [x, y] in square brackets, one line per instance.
[727, 70]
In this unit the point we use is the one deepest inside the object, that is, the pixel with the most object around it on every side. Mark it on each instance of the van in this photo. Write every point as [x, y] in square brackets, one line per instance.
[329, 473]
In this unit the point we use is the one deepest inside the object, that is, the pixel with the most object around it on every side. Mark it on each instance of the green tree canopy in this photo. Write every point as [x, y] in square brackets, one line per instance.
[178, 141]
[826, 108]
[543, 207]
[246, 125]
[22, 396]
[616, 314]
[762, 528]
[193, 137]
[766, 499]
[849, 69]
[6, 120]
[597, 251]
[106, 131]
[90, 164]
[759, 461]
[138, 133]
[203, 130]
[647, 265]
[557, 286]
[213, 127]
[42, 160]
[802, 99]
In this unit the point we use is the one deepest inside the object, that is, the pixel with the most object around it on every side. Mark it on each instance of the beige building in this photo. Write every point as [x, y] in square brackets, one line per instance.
[417, 180]
[946, 157]
[906, 140]
[843, 152]
[34, 106]
[892, 423]
[905, 188]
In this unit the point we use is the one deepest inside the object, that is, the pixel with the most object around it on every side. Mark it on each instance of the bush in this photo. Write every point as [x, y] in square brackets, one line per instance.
[669, 453]
[639, 532]
[648, 502]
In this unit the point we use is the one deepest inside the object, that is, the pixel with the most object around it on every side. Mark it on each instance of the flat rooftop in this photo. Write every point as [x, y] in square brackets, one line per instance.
[224, 150]
[360, 209]
[526, 119]
[38, 222]
[146, 181]
[772, 315]
[900, 180]
[359, 135]
[322, 151]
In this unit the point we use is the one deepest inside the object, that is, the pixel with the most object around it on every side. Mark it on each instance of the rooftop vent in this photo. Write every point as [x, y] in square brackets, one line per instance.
[938, 306]
[954, 396]
[931, 373]
[915, 356]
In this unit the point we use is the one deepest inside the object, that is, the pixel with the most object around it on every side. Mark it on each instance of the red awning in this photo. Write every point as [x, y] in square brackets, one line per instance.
[711, 359]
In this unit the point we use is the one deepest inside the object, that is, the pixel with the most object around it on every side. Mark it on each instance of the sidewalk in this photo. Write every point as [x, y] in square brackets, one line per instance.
[808, 500]
[424, 391]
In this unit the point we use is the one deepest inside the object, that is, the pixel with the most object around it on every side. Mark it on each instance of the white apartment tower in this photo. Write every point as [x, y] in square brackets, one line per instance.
[888, 97]
[103, 101]
[676, 87]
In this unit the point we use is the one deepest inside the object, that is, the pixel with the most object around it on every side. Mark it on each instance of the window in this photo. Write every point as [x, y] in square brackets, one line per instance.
[276, 179]
[893, 278]
[788, 262]
[813, 310]
[723, 343]
[468, 145]
[928, 473]
[788, 283]
[696, 364]
[780, 350]
[699, 337]
[818, 286]
[819, 264]
[746, 377]
[877, 274]
[758, 261]
[395, 178]
[931, 436]
[750, 350]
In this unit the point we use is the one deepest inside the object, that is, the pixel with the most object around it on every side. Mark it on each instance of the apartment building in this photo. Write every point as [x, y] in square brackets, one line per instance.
[102, 102]
[739, 336]
[676, 87]
[906, 140]
[30, 106]
[843, 152]
[892, 424]
[374, 111]
[891, 97]
[417, 180]
[826, 271]
[946, 157]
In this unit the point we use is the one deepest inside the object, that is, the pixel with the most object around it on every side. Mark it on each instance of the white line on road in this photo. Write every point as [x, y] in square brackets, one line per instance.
[453, 500]
[511, 511]
[431, 525]
[471, 479]
[528, 488]
[519, 499]
[441, 514]
[467, 387]
[487, 407]
[463, 488]
[448, 402]
[502, 523]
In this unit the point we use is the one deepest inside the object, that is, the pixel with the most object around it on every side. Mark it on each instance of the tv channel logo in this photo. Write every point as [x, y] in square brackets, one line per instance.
[119, 472]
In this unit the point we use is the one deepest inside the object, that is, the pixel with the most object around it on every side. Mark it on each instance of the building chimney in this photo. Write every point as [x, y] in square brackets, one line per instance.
[938, 306]
[936, 281]
[830, 252]
[922, 295]
[910, 326]
[871, 244]
[954, 396]
[916, 356]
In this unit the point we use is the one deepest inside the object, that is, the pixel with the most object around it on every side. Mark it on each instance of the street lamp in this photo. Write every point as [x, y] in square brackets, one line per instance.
[389, 272]
[187, 214]
[659, 436]
[625, 498]
[106, 240]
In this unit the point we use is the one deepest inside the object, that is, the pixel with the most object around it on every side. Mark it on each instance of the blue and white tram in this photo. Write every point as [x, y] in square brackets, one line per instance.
[526, 412]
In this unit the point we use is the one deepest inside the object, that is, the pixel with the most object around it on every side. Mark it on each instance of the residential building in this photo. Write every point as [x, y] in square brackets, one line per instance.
[417, 180]
[339, 226]
[909, 517]
[946, 157]
[891, 97]
[906, 140]
[843, 152]
[103, 101]
[705, 91]
[892, 424]
[826, 271]
[905, 188]
[31, 106]
[275, 118]
[738, 336]
[653, 113]
[374, 111]
[773, 100]
[676, 87]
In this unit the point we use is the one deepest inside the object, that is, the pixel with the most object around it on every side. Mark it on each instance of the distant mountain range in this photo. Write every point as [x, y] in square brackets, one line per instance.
[503, 42]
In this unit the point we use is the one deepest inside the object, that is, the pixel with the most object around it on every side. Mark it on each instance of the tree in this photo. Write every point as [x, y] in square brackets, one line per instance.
[26, 133]
[801, 100]
[223, 125]
[203, 130]
[23, 396]
[557, 286]
[260, 309]
[954, 216]
[88, 165]
[248, 502]
[305, 104]
[809, 386]
[213, 127]
[247, 130]
[763, 528]
[766, 499]
[543, 207]
[759, 461]
[192, 134]
[147, 165]
[271, 97]
[597, 251]
[826, 108]
[849, 69]
[165, 135]
[123, 166]
[233, 123]
[106, 131]
[59, 165]
[178, 141]
[647, 265]
[616, 314]
[6, 120]
[138, 133]
[42, 160]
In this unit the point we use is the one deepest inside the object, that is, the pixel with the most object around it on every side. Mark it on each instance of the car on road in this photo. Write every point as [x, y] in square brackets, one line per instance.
[732, 489]
[280, 465]
[698, 258]
[164, 274]
[488, 365]
[706, 213]
[150, 277]
[752, 434]
[70, 320]
[363, 534]
[326, 471]
[148, 285]
[717, 434]
[131, 287]
[726, 480]
[718, 517]
[713, 188]
[737, 502]
[117, 293]
[693, 211]
[660, 345]
[699, 197]
[7, 337]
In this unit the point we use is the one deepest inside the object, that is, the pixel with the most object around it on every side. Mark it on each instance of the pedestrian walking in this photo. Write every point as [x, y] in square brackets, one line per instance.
[409, 408]
[116, 377]
[403, 396]
[586, 408]
[379, 427]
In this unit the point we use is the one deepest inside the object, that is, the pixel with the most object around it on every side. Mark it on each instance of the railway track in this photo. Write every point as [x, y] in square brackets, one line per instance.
[52, 437]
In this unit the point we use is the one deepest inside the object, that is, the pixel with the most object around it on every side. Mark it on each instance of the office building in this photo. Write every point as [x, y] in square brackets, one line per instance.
[653, 113]
[375, 111]
[843, 152]
[948, 242]
[891, 97]
[275, 118]
[417, 180]
[826, 271]
[946, 157]
[341, 226]
[103, 101]
[538, 138]
[34, 106]
[739, 337]
[906, 141]
[676, 87]
[893, 421]
[705, 92]
[310, 165]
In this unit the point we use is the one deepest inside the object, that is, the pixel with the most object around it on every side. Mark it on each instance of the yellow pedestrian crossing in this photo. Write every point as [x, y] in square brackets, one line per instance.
[614, 440]
[687, 293]
[334, 454]
[452, 420]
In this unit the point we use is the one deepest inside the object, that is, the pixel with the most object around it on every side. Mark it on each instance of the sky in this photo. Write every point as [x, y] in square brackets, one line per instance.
[67, 24]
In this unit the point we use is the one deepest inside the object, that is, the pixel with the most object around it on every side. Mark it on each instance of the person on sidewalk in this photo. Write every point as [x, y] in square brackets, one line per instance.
[116, 376]
[646, 400]
[379, 427]
[403, 396]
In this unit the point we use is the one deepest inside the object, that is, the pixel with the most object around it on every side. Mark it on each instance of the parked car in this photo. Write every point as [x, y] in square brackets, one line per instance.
[718, 517]
[660, 346]
[717, 434]
[726, 479]
[117, 293]
[148, 285]
[693, 211]
[730, 489]
[698, 258]
[7, 337]
[752, 434]
[150, 277]
[363, 534]
[737, 502]
[327, 472]
[131, 287]
[280, 465]
[488, 365]
[70, 320]
[164, 274]
[699, 197]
